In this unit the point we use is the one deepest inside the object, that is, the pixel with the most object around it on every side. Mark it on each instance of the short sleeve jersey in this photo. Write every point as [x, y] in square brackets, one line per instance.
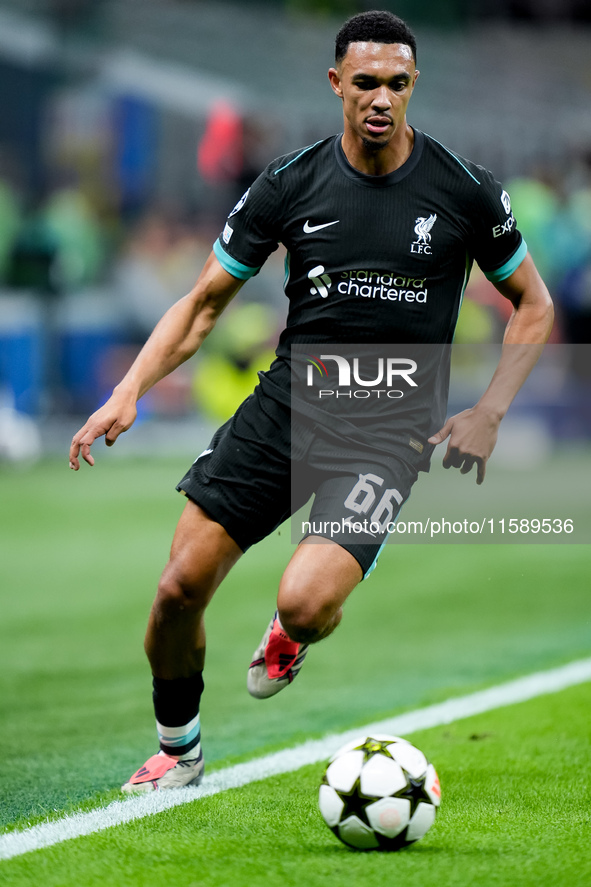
[372, 259]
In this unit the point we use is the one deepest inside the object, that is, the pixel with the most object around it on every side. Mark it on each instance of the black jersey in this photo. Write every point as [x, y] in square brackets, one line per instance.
[373, 259]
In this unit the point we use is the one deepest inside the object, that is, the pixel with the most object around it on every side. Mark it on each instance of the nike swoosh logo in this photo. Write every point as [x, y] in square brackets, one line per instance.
[204, 453]
[309, 229]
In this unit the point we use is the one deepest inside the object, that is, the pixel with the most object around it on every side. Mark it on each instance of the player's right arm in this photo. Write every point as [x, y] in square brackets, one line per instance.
[175, 339]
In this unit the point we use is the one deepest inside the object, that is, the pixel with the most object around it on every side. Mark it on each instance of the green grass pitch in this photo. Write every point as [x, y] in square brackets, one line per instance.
[81, 555]
[514, 813]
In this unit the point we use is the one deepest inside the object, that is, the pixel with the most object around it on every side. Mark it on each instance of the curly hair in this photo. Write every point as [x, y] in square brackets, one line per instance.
[376, 26]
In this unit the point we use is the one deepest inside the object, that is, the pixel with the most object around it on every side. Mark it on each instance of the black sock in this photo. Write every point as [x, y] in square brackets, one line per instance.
[176, 706]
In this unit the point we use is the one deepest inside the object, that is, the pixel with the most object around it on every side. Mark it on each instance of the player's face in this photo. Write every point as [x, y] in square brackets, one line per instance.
[375, 82]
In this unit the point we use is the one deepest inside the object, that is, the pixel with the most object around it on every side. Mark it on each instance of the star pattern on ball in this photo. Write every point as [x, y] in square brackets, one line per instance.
[355, 803]
[373, 747]
[415, 792]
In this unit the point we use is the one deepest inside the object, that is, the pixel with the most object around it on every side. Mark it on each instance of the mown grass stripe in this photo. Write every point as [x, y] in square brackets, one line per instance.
[139, 806]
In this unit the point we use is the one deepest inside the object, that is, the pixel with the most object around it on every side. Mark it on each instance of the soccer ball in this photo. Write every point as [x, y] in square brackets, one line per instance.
[379, 793]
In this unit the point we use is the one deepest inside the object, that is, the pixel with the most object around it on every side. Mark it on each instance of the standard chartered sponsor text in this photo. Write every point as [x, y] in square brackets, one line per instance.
[382, 285]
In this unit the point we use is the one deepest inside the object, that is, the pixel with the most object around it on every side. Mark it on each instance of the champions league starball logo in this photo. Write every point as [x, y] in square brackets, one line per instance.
[240, 204]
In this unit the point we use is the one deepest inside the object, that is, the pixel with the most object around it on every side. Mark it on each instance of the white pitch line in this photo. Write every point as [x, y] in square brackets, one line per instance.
[76, 825]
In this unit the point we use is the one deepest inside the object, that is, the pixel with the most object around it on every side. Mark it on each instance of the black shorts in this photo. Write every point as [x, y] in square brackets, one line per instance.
[251, 479]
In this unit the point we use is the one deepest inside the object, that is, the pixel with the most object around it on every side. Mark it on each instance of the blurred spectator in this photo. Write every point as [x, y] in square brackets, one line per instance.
[535, 205]
[159, 262]
[555, 219]
[10, 221]
[59, 246]
[69, 217]
[220, 152]
[233, 151]
[20, 438]
[575, 304]
[228, 365]
[32, 260]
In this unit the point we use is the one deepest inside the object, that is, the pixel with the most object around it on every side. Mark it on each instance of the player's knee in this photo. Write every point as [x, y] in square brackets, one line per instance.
[304, 614]
[308, 629]
[298, 629]
[179, 592]
[306, 621]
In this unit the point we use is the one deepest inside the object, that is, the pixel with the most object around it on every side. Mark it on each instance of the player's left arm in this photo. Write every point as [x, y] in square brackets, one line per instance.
[473, 433]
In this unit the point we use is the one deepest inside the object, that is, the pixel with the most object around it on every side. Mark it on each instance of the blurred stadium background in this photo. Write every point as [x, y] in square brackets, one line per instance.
[129, 128]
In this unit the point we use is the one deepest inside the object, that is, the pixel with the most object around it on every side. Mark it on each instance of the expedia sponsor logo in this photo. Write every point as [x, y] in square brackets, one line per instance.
[379, 377]
[507, 226]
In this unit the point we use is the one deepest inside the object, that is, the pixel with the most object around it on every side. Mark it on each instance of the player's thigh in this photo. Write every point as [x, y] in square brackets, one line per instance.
[357, 506]
[318, 579]
[202, 554]
[243, 480]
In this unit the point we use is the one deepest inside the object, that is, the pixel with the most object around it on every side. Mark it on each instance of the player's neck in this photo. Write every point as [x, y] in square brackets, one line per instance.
[378, 162]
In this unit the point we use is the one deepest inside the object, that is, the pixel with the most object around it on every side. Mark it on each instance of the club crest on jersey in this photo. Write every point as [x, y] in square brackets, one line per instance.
[423, 228]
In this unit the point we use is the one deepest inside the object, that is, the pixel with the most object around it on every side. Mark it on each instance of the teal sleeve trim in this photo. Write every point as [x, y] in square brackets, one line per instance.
[232, 266]
[375, 562]
[509, 267]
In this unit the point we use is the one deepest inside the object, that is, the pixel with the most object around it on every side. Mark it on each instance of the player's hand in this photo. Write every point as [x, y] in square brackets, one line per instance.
[111, 420]
[472, 438]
